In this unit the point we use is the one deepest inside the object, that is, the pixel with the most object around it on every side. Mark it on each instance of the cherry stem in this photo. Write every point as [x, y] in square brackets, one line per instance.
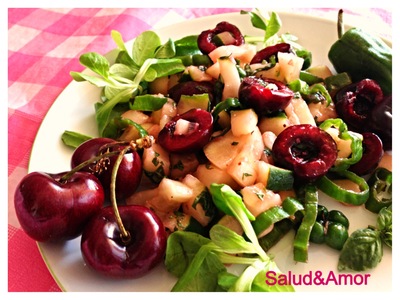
[124, 234]
[144, 142]
[90, 161]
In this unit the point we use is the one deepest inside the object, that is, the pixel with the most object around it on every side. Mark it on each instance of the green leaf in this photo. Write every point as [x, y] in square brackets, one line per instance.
[166, 51]
[97, 81]
[165, 67]
[361, 251]
[187, 46]
[95, 62]
[226, 199]
[253, 279]
[229, 202]
[117, 37]
[384, 225]
[256, 20]
[74, 139]
[145, 46]
[122, 72]
[104, 110]
[182, 246]
[148, 102]
[274, 25]
[230, 241]
[260, 285]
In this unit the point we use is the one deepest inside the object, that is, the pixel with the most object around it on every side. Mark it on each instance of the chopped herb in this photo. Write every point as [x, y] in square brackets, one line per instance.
[244, 175]
[178, 166]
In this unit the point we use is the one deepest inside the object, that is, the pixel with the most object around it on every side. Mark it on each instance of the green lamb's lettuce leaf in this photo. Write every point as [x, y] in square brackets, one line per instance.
[123, 80]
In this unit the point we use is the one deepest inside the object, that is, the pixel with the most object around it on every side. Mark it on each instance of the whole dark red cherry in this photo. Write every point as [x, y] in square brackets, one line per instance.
[354, 103]
[306, 149]
[267, 52]
[105, 250]
[206, 41]
[88, 150]
[129, 172]
[264, 95]
[372, 154]
[188, 132]
[50, 209]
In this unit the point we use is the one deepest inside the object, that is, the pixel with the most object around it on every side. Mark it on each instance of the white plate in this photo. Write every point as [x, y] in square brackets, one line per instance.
[74, 110]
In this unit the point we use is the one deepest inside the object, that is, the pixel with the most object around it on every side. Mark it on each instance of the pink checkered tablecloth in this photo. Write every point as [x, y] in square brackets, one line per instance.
[43, 47]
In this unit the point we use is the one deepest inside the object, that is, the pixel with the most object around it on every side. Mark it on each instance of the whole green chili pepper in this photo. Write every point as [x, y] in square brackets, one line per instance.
[380, 184]
[362, 55]
[301, 239]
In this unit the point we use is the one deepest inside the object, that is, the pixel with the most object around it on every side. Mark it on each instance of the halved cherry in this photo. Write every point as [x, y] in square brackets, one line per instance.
[188, 132]
[267, 52]
[264, 95]
[206, 42]
[355, 103]
[372, 154]
[306, 149]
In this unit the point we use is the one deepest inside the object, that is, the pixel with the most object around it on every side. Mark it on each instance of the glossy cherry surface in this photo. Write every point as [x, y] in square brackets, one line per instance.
[372, 154]
[264, 95]
[197, 136]
[306, 149]
[266, 53]
[205, 40]
[50, 210]
[129, 172]
[355, 103]
[106, 251]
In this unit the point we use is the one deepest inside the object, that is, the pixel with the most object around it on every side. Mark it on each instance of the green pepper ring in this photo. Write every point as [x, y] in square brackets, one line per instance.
[342, 195]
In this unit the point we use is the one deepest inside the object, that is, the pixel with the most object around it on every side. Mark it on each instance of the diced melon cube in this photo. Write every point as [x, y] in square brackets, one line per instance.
[321, 71]
[208, 174]
[174, 191]
[290, 65]
[258, 199]
[230, 77]
[243, 121]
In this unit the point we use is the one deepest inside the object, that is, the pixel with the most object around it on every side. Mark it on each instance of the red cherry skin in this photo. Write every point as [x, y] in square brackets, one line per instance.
[49, 210]
[264, 95]
[88, 150]
[191, 142]
[104, 250]
[306, 149]
[372, 154]
[129, 173]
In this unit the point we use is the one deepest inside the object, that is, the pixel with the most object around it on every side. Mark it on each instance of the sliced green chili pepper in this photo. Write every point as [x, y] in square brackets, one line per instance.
[362, 55]
[356, 143]
[227, 104]
[275, 214]
[380, 195]
[280, 229]
[301, 239]
[342, 195]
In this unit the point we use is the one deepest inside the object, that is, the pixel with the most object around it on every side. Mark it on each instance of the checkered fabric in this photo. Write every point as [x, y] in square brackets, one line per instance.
[43, 47]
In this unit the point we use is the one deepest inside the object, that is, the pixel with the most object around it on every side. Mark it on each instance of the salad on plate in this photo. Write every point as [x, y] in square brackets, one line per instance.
[215, 147]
